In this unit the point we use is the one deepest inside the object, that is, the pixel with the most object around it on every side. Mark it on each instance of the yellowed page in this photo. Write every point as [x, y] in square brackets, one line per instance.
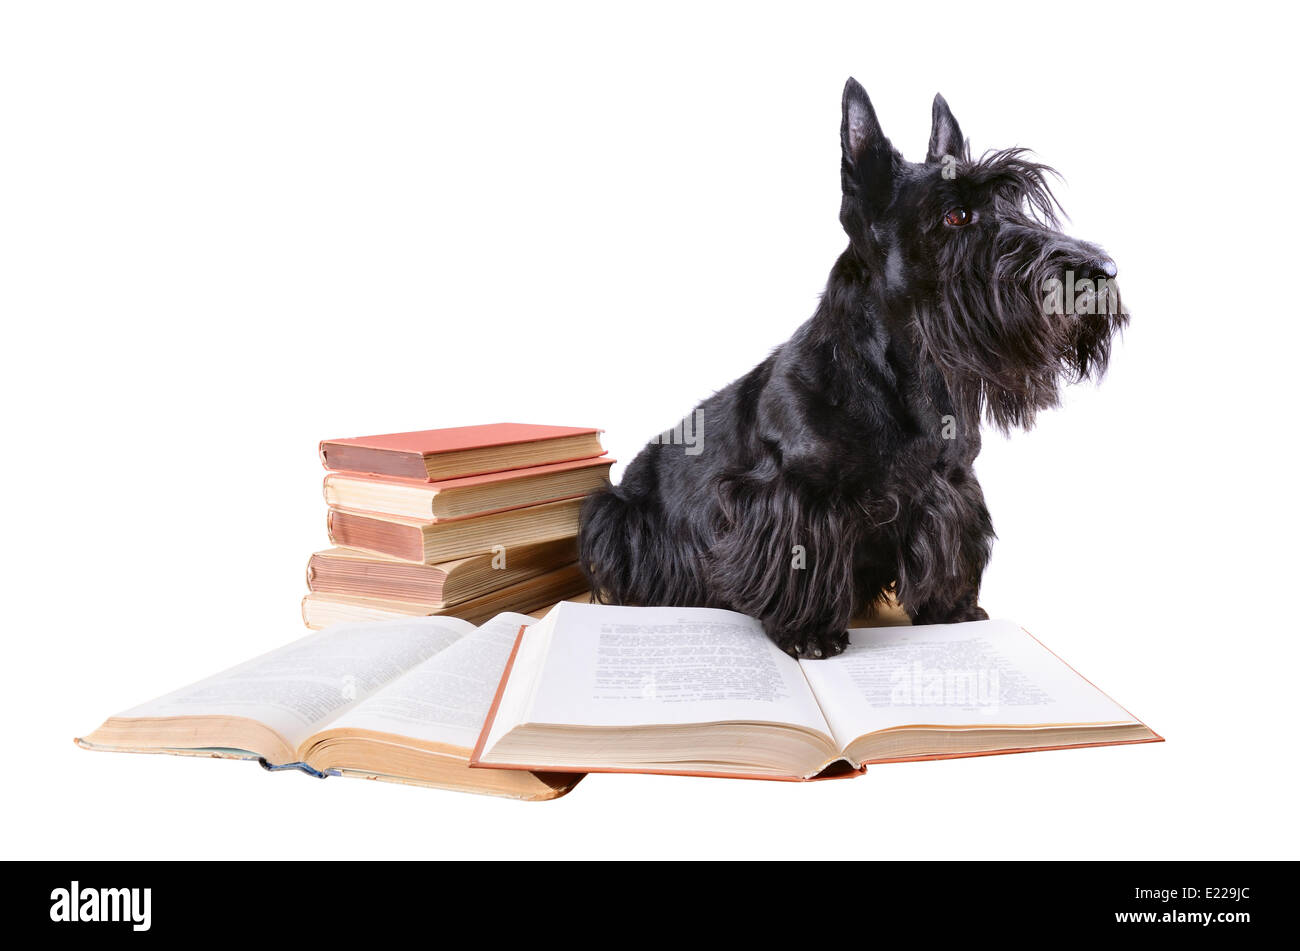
[975, 674]
[298, 688]
[446, 698]
[623, 666]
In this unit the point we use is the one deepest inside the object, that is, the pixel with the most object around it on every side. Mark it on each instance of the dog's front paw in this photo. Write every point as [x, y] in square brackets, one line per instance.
[812, 645]
[950, 614]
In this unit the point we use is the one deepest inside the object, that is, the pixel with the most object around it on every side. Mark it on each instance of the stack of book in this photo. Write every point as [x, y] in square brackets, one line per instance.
[469, 522]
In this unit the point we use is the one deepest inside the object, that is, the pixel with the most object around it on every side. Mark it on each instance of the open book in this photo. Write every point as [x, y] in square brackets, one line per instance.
[597, 688]
[397, 700]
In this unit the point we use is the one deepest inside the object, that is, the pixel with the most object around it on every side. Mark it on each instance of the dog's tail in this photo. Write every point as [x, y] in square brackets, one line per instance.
[627, 555]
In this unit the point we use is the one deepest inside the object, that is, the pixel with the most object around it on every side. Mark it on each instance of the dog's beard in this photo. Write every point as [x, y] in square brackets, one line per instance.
[1015, 320]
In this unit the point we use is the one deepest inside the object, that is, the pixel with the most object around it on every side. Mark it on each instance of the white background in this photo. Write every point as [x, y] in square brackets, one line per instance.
[229, 230]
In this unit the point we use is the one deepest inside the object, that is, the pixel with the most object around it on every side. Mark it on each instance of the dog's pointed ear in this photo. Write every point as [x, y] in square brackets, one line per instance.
[945, 134]
[859, 127]
[868, 159]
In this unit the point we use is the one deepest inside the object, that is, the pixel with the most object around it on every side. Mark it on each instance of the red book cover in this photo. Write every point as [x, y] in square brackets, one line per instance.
[430, 455]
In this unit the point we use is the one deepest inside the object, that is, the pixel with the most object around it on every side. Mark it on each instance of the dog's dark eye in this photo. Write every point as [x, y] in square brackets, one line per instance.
[956, 217]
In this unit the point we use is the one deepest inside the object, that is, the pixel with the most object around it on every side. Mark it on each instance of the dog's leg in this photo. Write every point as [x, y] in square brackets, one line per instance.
[632, 555]
[965, 607]
[788, 563]
[944, 551]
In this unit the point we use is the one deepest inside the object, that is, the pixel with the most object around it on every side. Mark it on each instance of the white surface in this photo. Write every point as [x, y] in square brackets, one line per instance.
[210, 215]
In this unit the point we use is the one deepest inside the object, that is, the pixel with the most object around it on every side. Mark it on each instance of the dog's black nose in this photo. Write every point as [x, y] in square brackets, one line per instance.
[1107, 267]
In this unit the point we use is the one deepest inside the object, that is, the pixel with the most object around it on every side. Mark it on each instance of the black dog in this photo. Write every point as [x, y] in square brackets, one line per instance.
[838, 471]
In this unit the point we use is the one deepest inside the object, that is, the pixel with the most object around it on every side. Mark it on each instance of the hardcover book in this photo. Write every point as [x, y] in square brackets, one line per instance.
[464, 498]
[432, 454]
[356, 573]
[322, 610]
[598, 688]
[398, 701]
[428, 542]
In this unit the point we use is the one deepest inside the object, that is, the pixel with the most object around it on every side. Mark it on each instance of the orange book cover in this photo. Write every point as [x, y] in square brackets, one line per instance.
[431, 454]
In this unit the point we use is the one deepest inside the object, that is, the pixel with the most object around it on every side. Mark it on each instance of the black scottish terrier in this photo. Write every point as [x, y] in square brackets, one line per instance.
[839, 470]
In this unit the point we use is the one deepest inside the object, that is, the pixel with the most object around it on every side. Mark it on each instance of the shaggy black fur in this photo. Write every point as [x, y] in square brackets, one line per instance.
[839, 470]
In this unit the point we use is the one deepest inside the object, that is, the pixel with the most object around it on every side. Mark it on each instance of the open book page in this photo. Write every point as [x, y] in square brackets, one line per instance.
[603, 665]
[980, 674]
[296, 689]
[446, 698]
